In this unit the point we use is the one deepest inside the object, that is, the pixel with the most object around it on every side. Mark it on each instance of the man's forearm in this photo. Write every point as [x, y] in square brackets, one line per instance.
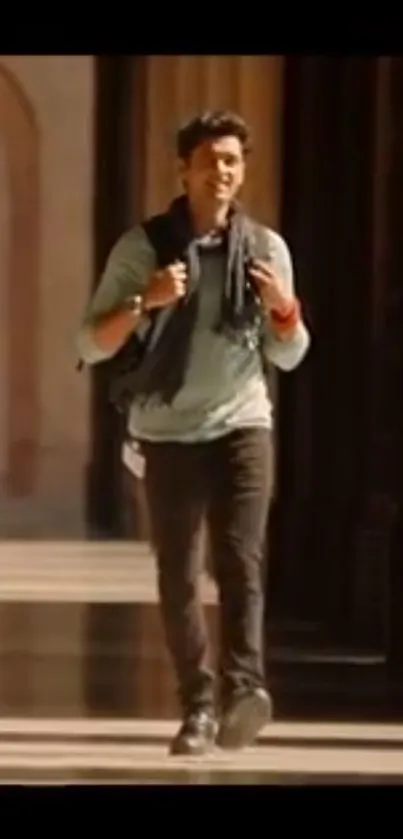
[290, 338]
[287, 352]
[111, 331]
[285, 320]
[101, 338]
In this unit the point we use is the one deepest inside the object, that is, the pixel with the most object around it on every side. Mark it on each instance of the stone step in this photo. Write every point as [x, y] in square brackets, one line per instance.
[82, 572]
[158, 731]
[105, 751]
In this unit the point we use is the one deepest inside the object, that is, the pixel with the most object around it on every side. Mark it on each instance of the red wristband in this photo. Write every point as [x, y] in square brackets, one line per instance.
[288, 319]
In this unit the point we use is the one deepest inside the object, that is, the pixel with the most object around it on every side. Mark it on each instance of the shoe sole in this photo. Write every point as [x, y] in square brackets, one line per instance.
[195, 751]
[241, 725]
[204, 746]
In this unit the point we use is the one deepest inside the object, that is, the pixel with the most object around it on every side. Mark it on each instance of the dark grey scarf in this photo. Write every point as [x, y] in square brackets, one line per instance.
[157, 367]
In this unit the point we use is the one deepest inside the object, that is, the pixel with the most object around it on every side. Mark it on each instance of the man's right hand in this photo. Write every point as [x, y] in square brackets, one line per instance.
[165, 286]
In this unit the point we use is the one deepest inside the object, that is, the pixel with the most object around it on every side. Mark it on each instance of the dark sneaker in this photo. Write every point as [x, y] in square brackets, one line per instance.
[245, 715]
[196, 735]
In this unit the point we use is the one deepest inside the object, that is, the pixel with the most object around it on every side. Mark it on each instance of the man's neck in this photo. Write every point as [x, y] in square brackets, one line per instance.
[209, 220]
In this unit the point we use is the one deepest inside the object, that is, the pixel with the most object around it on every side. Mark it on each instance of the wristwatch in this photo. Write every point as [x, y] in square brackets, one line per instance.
[135, 305]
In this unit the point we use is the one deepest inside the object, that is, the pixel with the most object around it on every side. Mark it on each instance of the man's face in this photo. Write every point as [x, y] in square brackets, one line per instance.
[215, 171]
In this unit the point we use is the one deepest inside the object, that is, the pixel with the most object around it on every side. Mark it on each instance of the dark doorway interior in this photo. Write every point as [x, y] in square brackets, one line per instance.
[335, 524]
[112, 215]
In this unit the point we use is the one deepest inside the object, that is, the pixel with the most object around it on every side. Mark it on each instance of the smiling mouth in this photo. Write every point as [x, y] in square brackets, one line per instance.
[219, 185]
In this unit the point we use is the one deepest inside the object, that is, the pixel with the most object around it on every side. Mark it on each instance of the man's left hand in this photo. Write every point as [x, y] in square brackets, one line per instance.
[269, 286]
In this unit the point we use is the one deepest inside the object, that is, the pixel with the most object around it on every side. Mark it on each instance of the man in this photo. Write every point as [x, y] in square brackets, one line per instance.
[202, 413]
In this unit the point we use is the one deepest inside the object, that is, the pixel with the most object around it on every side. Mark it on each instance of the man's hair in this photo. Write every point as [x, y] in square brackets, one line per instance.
[208, 126]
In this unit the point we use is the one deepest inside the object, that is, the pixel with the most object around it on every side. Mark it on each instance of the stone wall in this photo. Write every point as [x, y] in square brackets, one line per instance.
[46, 193]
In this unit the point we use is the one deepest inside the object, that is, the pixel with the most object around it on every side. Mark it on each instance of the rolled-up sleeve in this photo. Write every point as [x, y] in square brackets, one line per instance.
[286, 354]
[129, 265]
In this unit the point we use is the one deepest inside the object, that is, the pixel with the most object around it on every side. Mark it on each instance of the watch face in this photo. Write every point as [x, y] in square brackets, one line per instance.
[134, 303]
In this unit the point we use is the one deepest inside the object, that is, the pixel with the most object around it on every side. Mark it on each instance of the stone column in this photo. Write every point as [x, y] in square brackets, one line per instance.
[46, 194]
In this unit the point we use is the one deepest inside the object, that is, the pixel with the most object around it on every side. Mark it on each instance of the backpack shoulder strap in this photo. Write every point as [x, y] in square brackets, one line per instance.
[159, 233]
[157, 230]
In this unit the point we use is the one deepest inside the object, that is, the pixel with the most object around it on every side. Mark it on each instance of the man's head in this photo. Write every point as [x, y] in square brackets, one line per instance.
[212, 150]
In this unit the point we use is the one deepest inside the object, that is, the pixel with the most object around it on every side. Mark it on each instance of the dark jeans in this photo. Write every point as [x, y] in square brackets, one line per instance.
[230, 481]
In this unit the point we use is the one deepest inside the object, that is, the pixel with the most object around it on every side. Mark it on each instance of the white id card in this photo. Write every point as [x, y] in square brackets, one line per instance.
[133, 459]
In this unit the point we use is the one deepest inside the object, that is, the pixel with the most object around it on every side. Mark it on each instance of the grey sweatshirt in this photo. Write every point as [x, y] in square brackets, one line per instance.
[225, 387]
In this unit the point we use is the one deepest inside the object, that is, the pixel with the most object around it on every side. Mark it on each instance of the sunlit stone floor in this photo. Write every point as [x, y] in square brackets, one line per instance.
[86, 693]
